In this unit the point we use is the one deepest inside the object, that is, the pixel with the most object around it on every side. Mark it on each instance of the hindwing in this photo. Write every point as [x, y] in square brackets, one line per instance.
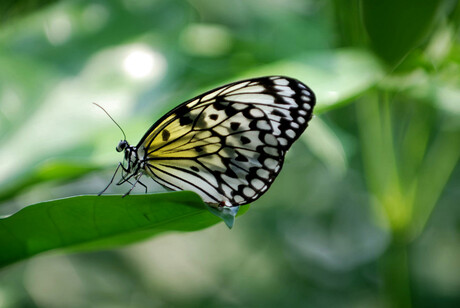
[228, 144]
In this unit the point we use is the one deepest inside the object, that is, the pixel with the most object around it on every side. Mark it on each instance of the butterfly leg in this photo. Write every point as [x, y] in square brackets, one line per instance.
[111, 181]
[125, 178]
[138, 177]
[143, 185]
[140, 183]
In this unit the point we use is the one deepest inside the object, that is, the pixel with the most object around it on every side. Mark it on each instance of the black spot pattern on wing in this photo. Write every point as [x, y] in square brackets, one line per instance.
[228, 144]
[165, 135]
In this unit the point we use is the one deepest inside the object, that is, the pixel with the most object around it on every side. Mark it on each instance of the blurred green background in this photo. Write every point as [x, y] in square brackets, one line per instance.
[366, 210]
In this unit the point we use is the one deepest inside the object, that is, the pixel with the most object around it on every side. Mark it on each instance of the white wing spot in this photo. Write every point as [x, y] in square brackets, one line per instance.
[281, 82]
[290, 100]
[221, 130]
[252, 98]
[271, 140]
[209, 96]
[238, 198]
[271, 151]
[239, 106]
[306, 106]
[305, 98]
[302, 112]
[250, 89]
[262, 124]
[192, 104]
[306, 92]
[282, 141]
[270, 163]
[276, 129]
[257, 184]
[256, 113]
[227, 190]
[284, 113]
[290, 133]
[227, 179]
[248, 192]
[262, 173]
[283, 90]
[294, 125]
[300, 120]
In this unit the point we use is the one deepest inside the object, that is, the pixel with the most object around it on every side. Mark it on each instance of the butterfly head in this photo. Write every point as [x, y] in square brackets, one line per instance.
[131, 160]
[129, 151]
[122, 145]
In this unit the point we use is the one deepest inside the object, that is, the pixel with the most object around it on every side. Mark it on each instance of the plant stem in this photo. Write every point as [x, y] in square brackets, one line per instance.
[395, 272]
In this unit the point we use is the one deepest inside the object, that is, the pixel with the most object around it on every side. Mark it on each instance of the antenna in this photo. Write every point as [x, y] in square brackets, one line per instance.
[112, 120]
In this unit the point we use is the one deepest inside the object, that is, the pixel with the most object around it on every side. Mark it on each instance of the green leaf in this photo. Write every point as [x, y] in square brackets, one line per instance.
[50, 170]
[92, 222]
[395, 27]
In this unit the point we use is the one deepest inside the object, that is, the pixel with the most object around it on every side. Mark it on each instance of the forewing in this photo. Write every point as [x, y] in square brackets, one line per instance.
[228, 144]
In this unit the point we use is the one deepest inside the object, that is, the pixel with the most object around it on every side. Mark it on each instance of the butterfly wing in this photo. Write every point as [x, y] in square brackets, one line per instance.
[228, 144]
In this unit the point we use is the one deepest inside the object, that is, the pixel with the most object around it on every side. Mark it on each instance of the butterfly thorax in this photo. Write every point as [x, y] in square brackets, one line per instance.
[133, 164]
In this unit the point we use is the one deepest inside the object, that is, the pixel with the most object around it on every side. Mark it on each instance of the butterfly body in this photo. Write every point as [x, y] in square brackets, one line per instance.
[228, 144]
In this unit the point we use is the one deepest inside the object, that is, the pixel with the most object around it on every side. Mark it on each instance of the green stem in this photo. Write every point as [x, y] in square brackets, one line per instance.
[395, 272]
[379, 158]
[441, 161]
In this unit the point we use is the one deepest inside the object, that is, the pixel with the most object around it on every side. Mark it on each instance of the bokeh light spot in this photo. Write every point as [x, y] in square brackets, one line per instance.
[58, 29]
[206, 40]
[142, 63]
[95, 17]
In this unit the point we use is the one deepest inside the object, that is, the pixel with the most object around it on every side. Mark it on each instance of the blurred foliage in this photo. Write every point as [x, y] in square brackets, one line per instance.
[10, 9]
[396, 27]
[365, 211]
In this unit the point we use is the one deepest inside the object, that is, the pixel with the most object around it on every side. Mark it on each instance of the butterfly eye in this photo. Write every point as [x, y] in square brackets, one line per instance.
[121, 145]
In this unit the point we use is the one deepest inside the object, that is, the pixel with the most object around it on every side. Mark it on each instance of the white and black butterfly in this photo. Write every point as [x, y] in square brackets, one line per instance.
[227, 145]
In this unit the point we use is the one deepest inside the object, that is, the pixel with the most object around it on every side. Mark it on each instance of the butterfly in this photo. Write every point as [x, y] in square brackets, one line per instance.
[227, 145]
